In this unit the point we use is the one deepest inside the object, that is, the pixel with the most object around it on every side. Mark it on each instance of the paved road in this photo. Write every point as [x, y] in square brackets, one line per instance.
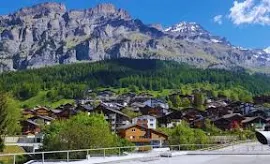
[234, 158]
[190, 159]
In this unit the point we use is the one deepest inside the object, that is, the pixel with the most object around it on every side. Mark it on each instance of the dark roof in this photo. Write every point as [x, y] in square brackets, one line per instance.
[113, 110]
[42, 117]
[31, 122]
[173, 115]
[250, 119]
[227, 116]
[87, 107]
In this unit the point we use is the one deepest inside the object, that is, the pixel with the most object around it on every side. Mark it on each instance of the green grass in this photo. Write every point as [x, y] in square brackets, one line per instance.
[10, 150]
[41, 100]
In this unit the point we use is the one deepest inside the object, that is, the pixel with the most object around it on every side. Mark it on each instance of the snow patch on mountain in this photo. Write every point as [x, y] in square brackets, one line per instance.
[267, 50]
[184, 27]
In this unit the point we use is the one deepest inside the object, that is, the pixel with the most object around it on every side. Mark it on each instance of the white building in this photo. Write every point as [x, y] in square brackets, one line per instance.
[156, 103]
[146, 120]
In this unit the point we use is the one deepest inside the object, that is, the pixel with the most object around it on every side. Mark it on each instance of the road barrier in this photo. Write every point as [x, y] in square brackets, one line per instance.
[191, 149]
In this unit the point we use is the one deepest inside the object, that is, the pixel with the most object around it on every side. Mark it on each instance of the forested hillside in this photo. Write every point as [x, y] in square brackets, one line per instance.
[71, 81]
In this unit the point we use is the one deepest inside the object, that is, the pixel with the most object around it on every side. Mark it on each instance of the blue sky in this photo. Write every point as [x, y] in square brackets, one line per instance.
[244, 23]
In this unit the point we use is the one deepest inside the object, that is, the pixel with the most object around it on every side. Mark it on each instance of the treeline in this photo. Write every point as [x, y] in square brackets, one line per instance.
[71, 81]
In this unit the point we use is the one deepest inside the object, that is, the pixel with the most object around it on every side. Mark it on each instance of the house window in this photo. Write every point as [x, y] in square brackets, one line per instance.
[152, 125]
[151, 119]
[133, 130]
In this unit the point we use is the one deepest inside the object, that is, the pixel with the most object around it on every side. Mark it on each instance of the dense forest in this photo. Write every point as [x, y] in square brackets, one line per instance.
[71, 81]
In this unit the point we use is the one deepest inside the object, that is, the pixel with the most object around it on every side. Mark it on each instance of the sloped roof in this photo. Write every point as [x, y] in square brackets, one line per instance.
[32, 122]
[227, 116]
[250, 119]
[113, 110]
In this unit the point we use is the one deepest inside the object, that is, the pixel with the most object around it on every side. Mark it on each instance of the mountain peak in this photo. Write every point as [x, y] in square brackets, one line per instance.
[267, 50]
[47, 7]
[109, 9]
[184, 27]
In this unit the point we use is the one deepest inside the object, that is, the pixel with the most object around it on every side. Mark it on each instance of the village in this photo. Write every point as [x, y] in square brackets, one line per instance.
[138, 117]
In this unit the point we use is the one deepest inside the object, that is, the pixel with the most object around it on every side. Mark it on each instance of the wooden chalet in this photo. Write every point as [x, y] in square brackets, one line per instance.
[153, 111]
[140, 135]
[254, 122]
[229, 121]
[192, 114]
[170, 120]
[30, 127]
[42, 120]
[114, 117]
[42, 111]
[216, 112]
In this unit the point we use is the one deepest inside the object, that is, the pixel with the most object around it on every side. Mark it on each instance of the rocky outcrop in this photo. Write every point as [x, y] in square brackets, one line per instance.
[49, 34]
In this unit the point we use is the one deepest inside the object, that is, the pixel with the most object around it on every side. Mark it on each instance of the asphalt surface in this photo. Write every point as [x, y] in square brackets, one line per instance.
[247, 150]
[203, 159]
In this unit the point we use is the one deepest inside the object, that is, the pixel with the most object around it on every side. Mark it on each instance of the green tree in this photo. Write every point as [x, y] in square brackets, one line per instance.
[9, 118]
[199, 99]
[178, 102]
[170, 103]
[186, 103]
[79, 132]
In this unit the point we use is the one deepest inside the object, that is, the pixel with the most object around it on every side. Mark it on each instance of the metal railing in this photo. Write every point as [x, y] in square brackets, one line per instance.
[192, 149]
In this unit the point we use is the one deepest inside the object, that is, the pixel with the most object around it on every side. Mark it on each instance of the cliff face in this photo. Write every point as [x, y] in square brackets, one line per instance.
[49, 34]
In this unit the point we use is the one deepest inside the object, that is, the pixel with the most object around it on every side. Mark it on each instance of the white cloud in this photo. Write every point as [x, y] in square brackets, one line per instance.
[250, 12]
[218, 19]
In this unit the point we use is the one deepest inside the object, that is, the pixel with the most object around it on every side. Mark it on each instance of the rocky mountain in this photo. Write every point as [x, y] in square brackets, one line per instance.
[49, 34]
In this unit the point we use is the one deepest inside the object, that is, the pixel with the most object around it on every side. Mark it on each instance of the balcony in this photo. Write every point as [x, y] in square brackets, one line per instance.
[140, 140]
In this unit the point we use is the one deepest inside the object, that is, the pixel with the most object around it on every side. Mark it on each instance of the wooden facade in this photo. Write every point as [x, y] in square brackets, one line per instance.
[141, 135]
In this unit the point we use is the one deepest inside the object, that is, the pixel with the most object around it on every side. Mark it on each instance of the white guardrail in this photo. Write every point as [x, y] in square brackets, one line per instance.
[191, 149]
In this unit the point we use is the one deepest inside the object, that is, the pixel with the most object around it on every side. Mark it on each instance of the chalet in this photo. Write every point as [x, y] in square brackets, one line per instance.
[222, 123]
[114, 117]
[216, 104]
[126, 97]
[254, 122]
[42, 111]
[198, 123]
[147, 121]
[192, 114]
[229, 121]
[240, 107]
[153, 103]
[216, 112]
[246, 108]
[235, 118]
[154, 111]
[27, 113]
[142, 97]
[235, 107]
[140, 135]
[42, 120]
[64, 113]
[136, 106]
[105, 94]
[258, 113]
[170, 120]
[261, 99]
[84, 108]
[30, 127]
